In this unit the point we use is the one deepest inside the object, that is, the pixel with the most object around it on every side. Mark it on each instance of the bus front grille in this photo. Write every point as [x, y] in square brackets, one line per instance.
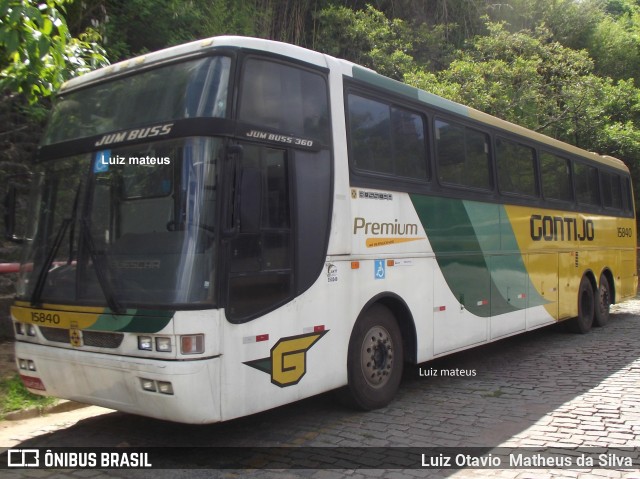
[97, 339]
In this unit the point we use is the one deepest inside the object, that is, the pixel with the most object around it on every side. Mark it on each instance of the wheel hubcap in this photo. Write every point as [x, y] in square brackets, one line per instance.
[377, 356]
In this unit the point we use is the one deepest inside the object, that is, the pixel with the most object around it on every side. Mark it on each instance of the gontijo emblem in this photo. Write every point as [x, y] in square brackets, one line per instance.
[287, 363]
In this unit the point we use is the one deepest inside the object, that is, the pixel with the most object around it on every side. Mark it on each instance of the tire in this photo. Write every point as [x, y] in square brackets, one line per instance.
[602, 302]
[586, 308]
[375, 359]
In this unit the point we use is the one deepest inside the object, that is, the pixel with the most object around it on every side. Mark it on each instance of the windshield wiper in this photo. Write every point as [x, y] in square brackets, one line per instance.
[105, 285]
[44, 269]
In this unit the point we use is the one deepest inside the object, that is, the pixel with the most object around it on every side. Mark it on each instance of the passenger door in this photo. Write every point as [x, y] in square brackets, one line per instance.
[259, 242]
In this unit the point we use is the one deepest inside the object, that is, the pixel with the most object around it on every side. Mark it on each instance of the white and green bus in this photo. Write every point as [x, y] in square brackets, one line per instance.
[234, 224]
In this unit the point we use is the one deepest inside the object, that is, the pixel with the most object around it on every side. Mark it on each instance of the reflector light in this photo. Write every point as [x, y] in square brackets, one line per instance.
[165, 387]
[318, 329]
[262, 337]
[148, 384]
[163, 345]
[33, 383]
[145, 343]
[355, 265]
[192, 344]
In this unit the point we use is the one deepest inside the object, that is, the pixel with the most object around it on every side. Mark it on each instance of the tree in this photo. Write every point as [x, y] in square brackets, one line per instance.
[38, 52]
[615, 45]
[528, 79]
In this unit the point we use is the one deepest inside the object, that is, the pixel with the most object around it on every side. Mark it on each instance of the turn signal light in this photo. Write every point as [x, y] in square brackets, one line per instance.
[192, 344]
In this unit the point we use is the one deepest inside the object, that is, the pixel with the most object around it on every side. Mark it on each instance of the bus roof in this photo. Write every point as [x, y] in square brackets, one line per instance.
[315, 58]
[197, 47]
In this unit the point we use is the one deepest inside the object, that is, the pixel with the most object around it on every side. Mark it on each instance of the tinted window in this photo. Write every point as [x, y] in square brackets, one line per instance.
[516, 168]
[556, 177]
[462, 155]
[282, 97]
[386, 139]
[194, 88]
[408, 143]
[626, 194]
[611, 191]
[260, 254]
[587, 190]
[369, 127]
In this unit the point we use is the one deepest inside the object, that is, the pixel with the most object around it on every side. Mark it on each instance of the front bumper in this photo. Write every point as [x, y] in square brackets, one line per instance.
[116, 382]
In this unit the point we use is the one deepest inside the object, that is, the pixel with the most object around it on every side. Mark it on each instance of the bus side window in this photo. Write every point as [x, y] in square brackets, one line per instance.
[369, 127]
[462, 156]
[516, 165]
[611, 190]
[587, 188]
[283, 97]
[556, 177]
[386, 139]
[626, 195]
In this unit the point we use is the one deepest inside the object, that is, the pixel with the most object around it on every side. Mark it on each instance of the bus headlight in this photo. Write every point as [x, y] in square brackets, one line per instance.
[163, 345]
[31, 330]
[192, 344]
[145, 343]
[20, 329]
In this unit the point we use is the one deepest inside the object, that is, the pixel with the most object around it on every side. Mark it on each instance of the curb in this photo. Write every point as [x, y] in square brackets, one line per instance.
[60, 406]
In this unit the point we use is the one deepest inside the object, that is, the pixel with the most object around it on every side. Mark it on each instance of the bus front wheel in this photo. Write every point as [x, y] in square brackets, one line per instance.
[586, 308]
[375, 359]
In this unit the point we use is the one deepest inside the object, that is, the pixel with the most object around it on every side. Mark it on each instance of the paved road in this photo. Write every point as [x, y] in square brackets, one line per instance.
[545, 388]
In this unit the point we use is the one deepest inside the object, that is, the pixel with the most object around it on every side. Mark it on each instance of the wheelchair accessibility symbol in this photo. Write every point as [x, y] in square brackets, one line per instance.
[379, 269]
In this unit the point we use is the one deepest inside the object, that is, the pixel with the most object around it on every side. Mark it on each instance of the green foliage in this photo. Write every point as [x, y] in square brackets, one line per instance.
[529, 79]
[521, 77]
[365, 37]
[38, 52]
[14, 396]
[615, 46]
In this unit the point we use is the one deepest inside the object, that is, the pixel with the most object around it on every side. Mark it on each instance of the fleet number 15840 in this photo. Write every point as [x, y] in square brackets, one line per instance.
[41, 317]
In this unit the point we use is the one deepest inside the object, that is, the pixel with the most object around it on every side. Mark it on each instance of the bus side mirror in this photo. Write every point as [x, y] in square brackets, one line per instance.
[15, 214]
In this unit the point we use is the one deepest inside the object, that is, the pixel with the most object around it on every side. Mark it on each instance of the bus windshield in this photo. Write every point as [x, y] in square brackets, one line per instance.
[195, 88]
[133, 225]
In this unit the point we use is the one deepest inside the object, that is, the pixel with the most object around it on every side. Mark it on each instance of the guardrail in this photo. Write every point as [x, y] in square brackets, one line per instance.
[6, 268]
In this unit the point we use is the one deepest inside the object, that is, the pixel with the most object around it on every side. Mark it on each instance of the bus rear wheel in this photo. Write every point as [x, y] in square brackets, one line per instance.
[603, 302]
[375, 359]
[586, 308]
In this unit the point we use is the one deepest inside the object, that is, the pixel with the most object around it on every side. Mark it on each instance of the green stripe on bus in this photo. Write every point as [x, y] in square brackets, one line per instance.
[403, 89]
[476, 251]
[134, 321]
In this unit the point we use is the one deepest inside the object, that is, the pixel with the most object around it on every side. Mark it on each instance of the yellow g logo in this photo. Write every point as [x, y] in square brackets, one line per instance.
[287, 363]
